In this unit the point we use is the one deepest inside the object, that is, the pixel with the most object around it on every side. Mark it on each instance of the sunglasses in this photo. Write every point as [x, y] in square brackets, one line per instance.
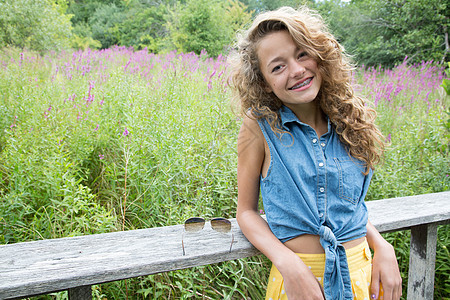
[196, 224]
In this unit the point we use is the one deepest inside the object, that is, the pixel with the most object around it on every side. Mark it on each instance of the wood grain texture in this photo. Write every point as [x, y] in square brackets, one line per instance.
[51, 265]
[422, 259]
[404, 212]
[80, 293]
[46, 266]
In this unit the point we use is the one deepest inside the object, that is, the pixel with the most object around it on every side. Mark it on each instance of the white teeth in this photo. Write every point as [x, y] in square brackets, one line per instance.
[306, 82]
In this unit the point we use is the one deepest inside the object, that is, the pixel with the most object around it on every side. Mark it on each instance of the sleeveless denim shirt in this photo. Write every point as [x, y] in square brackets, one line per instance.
[314, 187]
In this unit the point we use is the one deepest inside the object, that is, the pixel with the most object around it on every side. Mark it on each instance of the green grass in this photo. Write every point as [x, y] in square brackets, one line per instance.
[111, 140]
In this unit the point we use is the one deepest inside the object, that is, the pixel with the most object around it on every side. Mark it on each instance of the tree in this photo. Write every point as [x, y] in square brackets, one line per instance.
[386, 31]
[206, 25]
[94, 21]
[143, 26]
[198, 25]
[103, 23]
[82, 10]
[35, 24]
[237, 16]
[258, 6]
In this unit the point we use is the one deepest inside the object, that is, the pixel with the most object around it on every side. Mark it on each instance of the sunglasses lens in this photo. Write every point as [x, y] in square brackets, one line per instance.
[221, 225]
[194, 224]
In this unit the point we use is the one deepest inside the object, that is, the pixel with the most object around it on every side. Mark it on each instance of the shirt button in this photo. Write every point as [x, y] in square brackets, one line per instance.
[321, 215]
[314, 141]
[321, 164]
[323, 144]
[321, 189]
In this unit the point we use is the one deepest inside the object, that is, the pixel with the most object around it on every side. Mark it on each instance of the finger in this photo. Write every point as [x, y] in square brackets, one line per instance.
[398, 294]
[387, 292]
[374, 286]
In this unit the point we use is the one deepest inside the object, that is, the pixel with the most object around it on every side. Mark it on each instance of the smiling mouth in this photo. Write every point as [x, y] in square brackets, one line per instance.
[304, 83]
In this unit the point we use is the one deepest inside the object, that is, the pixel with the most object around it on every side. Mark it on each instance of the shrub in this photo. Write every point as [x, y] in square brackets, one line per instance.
[40, 25]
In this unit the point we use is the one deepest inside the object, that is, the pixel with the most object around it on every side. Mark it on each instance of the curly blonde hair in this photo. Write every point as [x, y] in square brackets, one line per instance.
[352, 119]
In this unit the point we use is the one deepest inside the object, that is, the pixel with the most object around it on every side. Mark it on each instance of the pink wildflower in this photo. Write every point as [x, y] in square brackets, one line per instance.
[388, 138]
[126, 132]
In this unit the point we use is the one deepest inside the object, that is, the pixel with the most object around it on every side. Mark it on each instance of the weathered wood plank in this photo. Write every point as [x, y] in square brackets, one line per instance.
[422, 260]
[405, 212]
[80, 293]
[52, 265]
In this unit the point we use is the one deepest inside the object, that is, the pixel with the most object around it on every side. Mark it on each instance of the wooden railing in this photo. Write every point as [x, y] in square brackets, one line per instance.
[76, 263]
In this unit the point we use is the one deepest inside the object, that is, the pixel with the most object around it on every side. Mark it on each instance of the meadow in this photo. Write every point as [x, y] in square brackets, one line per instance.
[116, 139]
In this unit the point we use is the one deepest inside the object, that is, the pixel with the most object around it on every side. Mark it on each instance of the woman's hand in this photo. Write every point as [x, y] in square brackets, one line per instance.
[385, 272]
[299, 282]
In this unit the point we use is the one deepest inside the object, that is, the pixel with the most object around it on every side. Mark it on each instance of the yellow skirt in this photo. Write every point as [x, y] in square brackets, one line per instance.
[359, 263]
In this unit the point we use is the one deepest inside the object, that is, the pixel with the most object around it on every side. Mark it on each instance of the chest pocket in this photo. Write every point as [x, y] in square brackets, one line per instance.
[351, 178]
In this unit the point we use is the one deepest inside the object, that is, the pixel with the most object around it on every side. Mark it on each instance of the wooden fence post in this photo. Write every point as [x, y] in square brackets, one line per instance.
[422, 258]
[80, 293]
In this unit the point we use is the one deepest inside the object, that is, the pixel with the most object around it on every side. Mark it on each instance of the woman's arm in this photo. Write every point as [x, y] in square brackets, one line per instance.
[299, 281]
[384, 267]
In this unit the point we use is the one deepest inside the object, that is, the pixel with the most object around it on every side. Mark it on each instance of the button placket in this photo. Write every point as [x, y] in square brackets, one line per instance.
[318, 148]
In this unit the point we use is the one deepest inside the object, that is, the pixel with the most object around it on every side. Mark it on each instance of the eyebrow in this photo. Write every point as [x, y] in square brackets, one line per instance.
[274, 60]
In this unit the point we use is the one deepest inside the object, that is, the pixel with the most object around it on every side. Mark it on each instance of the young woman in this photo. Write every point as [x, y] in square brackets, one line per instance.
[309, 145]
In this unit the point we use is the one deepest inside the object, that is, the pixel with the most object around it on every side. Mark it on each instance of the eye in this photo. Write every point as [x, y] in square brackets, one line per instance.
[277, 68]
[302, 54]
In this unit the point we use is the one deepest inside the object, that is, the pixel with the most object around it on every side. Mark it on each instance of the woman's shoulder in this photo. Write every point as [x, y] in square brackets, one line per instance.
[250, 134]
[250, 126]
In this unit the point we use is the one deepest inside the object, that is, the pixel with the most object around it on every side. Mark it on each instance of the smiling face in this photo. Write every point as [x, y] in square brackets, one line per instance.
[290, 73]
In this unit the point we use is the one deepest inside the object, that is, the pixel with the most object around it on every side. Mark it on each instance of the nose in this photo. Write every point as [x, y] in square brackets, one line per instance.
[297, 69]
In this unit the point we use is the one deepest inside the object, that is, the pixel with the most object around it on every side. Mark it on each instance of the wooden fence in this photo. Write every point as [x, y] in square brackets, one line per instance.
[77, 263]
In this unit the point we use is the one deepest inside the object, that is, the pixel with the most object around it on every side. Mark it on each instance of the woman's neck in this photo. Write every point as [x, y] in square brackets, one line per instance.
[311, 114]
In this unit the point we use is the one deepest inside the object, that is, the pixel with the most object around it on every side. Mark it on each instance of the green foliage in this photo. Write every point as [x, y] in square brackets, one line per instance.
[446, 81]
[84, 42]
[159, 26]
[199, 25]
[94, 22]
[375, 32]
[264, 5]
[385, 32]
[34, 24]
[82, 10]
[103, 23]
[82, 37]
[203, 25]
[143, 27]
[237, 16]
